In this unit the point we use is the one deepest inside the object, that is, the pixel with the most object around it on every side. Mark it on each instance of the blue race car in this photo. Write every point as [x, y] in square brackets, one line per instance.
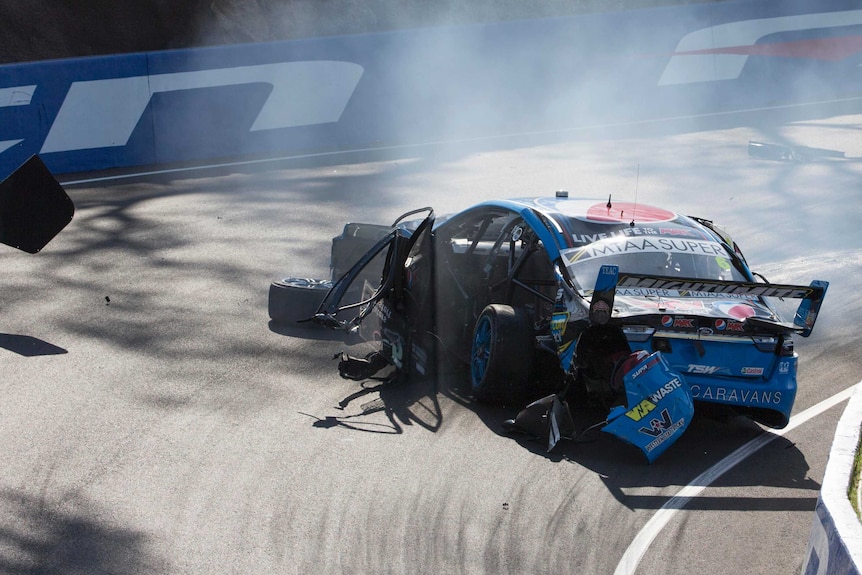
[644, 311]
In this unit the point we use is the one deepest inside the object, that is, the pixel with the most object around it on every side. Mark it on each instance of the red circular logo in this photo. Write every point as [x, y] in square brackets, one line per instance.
[626, 211]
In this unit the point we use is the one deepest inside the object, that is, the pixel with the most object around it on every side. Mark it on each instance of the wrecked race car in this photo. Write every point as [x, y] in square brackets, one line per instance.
[643, 311]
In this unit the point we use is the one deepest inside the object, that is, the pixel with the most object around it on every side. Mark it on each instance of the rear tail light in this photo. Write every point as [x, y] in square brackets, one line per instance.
[781, 346]
[638, 333]
[766, 343]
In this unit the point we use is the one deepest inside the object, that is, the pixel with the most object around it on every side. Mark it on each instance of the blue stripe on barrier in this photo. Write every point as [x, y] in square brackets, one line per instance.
[426, 85]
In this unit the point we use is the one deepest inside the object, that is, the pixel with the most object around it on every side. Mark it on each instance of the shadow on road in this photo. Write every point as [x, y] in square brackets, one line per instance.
[29, 346]
[402, 405]
[622, 468]
[387, 403]
[35, 539]
[706, 442]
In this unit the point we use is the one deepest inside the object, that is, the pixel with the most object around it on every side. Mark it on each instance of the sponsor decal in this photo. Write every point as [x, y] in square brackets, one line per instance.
[784, 367]
[665, 390]
[644, 245]
[725, 325]
[687, 287]
[662, 429]
[736, 310]
[752, 371]
[739, 396]
[639, 231]
[646, 293]
[679, 305]
[677, 322]
[640, 411]
[558, 325]
[686, 232]
[643, 369]
[658, 426]
[703, 369]
[663, 293]
[621, 211]
[720, 295]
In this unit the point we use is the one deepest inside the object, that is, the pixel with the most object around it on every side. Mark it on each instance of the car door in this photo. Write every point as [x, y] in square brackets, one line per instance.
[394, 310]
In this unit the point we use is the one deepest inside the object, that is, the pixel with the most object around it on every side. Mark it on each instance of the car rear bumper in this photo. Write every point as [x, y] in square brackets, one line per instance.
[767, 401]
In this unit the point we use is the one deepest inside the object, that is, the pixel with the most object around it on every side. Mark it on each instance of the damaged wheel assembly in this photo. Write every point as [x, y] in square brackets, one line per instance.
[501, 359]
[295, 299]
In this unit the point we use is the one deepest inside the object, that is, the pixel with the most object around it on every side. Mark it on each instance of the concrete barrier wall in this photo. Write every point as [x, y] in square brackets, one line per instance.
[426, 85]
[835, 543]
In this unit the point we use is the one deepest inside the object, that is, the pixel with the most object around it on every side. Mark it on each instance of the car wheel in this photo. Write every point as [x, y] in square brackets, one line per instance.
[501, 357]
[294, 299]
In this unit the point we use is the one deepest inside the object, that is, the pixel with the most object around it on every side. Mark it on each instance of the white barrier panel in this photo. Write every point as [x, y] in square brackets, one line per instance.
[835, 543]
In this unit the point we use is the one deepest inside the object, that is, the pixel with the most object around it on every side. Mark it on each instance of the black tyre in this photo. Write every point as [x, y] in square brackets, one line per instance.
[295, 299]
[501, 357]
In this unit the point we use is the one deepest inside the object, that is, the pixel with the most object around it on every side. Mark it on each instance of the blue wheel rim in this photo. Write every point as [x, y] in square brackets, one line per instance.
[481, 351]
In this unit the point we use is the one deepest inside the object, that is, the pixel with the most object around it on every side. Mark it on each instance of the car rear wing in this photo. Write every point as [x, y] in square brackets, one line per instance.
[803, 321]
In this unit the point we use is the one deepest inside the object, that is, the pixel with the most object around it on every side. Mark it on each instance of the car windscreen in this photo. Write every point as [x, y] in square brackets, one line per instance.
[657, 256]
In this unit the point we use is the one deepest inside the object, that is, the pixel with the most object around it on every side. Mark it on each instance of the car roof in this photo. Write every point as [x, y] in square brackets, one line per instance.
[576, 222]
[596, 211]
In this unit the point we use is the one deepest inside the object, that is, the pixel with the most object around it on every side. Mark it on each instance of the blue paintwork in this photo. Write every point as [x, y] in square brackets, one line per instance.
[711, 347]
[658, 408]
[808, 309]
[451, 83]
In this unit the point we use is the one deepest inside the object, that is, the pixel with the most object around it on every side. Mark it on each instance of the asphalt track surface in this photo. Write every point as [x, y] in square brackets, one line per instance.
[154, 422]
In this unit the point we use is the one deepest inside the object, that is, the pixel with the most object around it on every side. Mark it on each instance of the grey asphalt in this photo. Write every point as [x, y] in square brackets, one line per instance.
[152, 421]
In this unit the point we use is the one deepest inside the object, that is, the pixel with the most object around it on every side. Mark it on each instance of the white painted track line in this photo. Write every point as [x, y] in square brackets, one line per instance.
[638, 547]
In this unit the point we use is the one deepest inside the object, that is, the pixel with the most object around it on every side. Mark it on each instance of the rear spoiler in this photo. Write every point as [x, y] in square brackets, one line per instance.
[803, 322]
